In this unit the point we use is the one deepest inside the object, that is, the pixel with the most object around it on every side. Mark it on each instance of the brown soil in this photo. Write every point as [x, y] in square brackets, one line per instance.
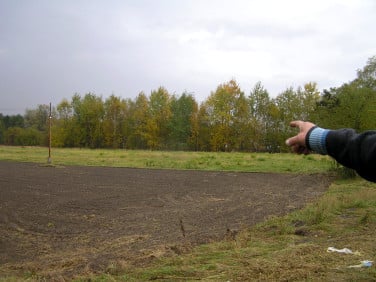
[68, 221]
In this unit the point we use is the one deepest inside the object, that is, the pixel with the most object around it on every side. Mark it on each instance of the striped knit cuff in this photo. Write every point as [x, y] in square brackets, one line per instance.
[317, 140]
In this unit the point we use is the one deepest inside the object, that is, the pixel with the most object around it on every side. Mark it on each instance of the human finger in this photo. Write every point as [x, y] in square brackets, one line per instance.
[296, 123]
[292, 141]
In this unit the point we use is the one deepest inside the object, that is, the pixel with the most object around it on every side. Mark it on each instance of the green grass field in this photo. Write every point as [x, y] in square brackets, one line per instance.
[247, 162]
[289, 248]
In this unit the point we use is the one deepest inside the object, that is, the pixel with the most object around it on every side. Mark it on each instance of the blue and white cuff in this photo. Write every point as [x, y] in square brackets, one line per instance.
[317, 140]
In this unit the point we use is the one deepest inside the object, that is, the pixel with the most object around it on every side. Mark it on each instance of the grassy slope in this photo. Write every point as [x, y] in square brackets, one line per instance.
[289, 248]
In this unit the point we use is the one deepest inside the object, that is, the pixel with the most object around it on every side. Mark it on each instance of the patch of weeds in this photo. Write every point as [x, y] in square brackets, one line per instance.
[166, 272]
[100, 278]
[277, 226]
[208, 267]
[309, 158]
[316, 213]
[346, 173]
[341, 171]
[33, 276]
[366, 218]
[192, 165]
[150, 163]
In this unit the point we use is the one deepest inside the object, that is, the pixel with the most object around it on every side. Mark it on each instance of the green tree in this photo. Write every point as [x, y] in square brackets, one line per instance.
[324, 113]
[292, 105]
[289, 108]
[309, 98]
[181, 124]
[13, 121]
[2, 129]
[202, 141]
[351, 105]
[194, 125]
[63, 126]
[114, 118]
[88, 117]
[366, 77]
[273, 140]
[127, 123]
[38, 118]
[260, 117]
[157, 124]
[17, 136]
[355, 109]
[242, 125]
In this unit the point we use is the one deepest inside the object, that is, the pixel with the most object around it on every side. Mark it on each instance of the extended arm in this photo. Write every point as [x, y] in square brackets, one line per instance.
[356, 151]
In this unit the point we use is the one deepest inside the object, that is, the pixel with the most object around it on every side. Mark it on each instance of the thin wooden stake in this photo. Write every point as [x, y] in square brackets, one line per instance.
[49, 160]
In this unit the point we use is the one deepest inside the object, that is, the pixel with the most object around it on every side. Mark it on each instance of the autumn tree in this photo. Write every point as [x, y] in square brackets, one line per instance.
[222, 107]
[139, 115]
[226, 121]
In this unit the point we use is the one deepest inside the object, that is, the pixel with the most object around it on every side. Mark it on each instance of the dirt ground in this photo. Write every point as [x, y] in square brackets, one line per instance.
[68, 221]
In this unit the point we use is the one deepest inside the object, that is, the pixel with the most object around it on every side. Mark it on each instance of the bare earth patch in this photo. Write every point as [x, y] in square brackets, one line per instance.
[68, 221]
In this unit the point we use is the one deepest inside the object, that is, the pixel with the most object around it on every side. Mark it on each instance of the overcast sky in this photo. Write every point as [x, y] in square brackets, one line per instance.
[50, 49]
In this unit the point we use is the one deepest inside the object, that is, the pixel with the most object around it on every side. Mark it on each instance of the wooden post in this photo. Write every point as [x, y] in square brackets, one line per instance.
[49, 137]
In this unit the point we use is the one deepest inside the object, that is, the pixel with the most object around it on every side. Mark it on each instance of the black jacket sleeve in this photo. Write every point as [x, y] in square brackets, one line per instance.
[357, 151]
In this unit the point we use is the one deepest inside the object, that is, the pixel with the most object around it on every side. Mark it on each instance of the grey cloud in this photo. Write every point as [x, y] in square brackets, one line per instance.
[51, 49]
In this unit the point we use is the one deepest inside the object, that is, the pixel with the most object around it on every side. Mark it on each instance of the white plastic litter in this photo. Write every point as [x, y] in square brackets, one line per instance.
[344, 250]
[363, 263]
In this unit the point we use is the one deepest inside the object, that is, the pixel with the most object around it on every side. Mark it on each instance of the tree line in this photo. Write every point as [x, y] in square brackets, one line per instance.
[228, 120]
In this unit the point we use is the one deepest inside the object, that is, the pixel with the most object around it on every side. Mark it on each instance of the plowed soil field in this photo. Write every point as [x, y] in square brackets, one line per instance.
[59, 222]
